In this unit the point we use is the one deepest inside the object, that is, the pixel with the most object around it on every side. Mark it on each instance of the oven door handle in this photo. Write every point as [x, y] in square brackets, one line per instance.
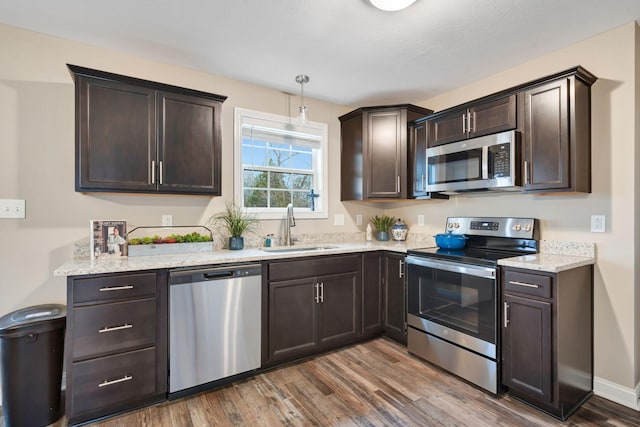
[472, 270]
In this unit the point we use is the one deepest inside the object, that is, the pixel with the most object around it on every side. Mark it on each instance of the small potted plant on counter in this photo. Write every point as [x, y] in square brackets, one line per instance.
[237, 222]
[382, 224]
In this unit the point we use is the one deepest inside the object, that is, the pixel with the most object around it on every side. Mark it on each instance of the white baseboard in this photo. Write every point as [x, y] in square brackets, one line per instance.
[623, 395]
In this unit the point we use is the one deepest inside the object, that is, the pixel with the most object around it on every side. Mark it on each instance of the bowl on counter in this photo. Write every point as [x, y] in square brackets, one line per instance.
[450, 240]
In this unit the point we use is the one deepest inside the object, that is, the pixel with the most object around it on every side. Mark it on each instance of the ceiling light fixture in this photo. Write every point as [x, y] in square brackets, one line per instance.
[303, 113]
[392, 5]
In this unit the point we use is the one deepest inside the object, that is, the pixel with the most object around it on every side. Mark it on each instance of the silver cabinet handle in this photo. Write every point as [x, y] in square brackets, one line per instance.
[321, 291]
[398, 184]
[119, 380]
[153, 171]
[526, 172]
[506, 314]
[161, 173]
[114, 328]
[400, 269]
[528, 285]
[116, 288]
[316, 297]
[464, 123]
[469, 123]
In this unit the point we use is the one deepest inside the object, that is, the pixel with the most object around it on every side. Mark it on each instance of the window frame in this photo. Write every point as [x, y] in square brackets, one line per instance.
[321, 171]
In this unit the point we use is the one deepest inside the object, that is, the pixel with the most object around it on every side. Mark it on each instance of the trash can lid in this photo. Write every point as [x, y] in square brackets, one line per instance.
[30, 316]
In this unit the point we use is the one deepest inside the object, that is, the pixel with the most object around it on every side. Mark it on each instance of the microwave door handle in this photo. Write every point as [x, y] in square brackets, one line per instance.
[485, 162]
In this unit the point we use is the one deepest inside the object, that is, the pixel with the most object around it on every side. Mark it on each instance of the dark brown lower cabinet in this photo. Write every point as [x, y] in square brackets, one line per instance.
[547, 337]
[116, 343]
[313, 304]
[372, 293]
[394, 306]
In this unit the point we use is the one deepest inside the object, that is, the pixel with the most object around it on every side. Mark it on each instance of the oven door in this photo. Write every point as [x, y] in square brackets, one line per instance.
[454, 301]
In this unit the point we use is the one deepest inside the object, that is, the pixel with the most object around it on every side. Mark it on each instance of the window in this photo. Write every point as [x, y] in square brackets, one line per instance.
[278, 162]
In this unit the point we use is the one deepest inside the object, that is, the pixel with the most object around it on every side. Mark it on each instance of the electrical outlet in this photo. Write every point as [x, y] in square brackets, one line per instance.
[421, 220]
[598, 223]
[12, 208]
[167, 220]
[359, 219]
[338, 219]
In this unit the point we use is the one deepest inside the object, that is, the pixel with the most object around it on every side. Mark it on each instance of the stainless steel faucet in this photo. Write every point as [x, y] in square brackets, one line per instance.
[291, 222]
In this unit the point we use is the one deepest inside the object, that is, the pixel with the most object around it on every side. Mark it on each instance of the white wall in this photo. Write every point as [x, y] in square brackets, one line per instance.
[612, 57]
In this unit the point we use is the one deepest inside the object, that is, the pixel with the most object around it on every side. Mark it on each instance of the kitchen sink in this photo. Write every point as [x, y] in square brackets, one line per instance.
[299, 248]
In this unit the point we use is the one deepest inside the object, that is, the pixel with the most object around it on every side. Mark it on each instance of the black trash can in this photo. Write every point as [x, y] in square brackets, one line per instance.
[32, 348]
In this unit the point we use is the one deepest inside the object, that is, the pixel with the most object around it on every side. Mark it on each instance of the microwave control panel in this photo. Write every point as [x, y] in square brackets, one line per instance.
[499, 160]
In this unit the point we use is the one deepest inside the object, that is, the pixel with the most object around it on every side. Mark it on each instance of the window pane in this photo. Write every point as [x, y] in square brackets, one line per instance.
[255, 198]
[301, 200]
[252, 155]
[255, 178]
[280, 180]
[301, 181]
[280, 199]
[301, 160]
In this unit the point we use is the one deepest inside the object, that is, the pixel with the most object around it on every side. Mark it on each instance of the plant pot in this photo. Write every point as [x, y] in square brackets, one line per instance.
[236, 243]
[382, 236]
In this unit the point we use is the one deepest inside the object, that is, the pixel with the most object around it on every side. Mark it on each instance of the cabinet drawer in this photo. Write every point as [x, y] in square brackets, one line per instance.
[113, 380]
[107, 328]
[528, 284]
[311, 267]
[114, 287]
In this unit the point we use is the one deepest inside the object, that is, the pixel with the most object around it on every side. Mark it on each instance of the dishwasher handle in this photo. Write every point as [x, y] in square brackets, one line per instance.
[193, 275]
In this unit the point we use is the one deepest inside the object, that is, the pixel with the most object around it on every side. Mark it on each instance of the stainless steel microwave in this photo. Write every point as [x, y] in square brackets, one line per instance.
[490, 162]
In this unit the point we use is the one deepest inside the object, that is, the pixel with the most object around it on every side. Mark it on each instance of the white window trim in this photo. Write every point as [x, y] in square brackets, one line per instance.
[322, 211]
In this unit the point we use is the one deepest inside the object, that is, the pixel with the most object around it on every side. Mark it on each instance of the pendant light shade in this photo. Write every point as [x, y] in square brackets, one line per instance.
[392, 5]
[303, 112]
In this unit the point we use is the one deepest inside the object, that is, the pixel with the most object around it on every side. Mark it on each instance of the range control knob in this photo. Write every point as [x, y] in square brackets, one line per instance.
[517, 227]
[449, 225]
[527, 228]
[456, 225]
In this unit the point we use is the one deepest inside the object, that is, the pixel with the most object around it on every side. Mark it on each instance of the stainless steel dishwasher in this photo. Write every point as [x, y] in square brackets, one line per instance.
[214, 324]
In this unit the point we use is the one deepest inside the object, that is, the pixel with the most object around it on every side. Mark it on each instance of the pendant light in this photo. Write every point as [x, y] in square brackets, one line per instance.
[392, 5]
[303, 113]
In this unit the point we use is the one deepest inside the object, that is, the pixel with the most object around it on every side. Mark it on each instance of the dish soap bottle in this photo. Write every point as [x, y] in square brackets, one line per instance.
[369, 233]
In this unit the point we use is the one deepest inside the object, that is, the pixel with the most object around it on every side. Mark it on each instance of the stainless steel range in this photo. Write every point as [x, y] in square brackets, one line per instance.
[453, 296]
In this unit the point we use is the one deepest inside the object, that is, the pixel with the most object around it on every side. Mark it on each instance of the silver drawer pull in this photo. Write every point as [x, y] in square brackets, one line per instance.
[528, 285]
[116, 288]
[115, 328]
[119, 380]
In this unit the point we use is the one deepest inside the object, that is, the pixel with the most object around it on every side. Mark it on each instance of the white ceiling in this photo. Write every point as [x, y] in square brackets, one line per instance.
[353, 53]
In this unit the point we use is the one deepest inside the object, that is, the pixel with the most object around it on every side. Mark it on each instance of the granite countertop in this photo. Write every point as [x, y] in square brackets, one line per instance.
[553, 257]
[77, 267]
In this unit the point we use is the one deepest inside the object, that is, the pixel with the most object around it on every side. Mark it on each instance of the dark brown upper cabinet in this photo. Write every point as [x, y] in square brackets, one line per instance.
[472, 120]
[374, 161]
[135, 135]
[557, 133]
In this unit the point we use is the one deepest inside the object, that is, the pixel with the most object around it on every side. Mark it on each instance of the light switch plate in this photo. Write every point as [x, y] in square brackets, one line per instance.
[359, 219]
[167, 220]
[12, 208]
[338, 219]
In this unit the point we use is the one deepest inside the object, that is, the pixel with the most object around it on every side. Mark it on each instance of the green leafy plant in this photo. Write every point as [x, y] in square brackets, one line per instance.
[173, 238]
[382, 223]
[235, 220]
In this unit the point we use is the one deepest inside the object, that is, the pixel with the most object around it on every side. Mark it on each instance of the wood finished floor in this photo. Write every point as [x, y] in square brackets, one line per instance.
[376, 383]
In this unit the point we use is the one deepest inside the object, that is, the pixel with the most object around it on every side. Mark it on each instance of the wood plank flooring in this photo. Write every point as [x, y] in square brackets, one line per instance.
[376, 383]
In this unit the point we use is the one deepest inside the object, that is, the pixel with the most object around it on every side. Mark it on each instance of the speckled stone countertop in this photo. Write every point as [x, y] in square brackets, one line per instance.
[83, 266]
[555, 257]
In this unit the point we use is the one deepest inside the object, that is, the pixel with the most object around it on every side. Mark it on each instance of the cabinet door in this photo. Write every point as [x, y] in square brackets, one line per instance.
[418, 159]
[372, 279]
[386, 154]
[292, 319]
[546, 136]
[447, 128]
[189, 144]
[395, 310]
[340, 309]
[115, 136]
[526, 347]
[494, 116]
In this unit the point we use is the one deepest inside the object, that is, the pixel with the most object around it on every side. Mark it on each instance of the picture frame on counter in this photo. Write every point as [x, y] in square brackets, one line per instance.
[108, 239]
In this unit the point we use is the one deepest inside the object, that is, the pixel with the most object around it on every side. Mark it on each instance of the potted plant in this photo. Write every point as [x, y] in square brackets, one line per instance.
[237, 222]
[382, 224]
